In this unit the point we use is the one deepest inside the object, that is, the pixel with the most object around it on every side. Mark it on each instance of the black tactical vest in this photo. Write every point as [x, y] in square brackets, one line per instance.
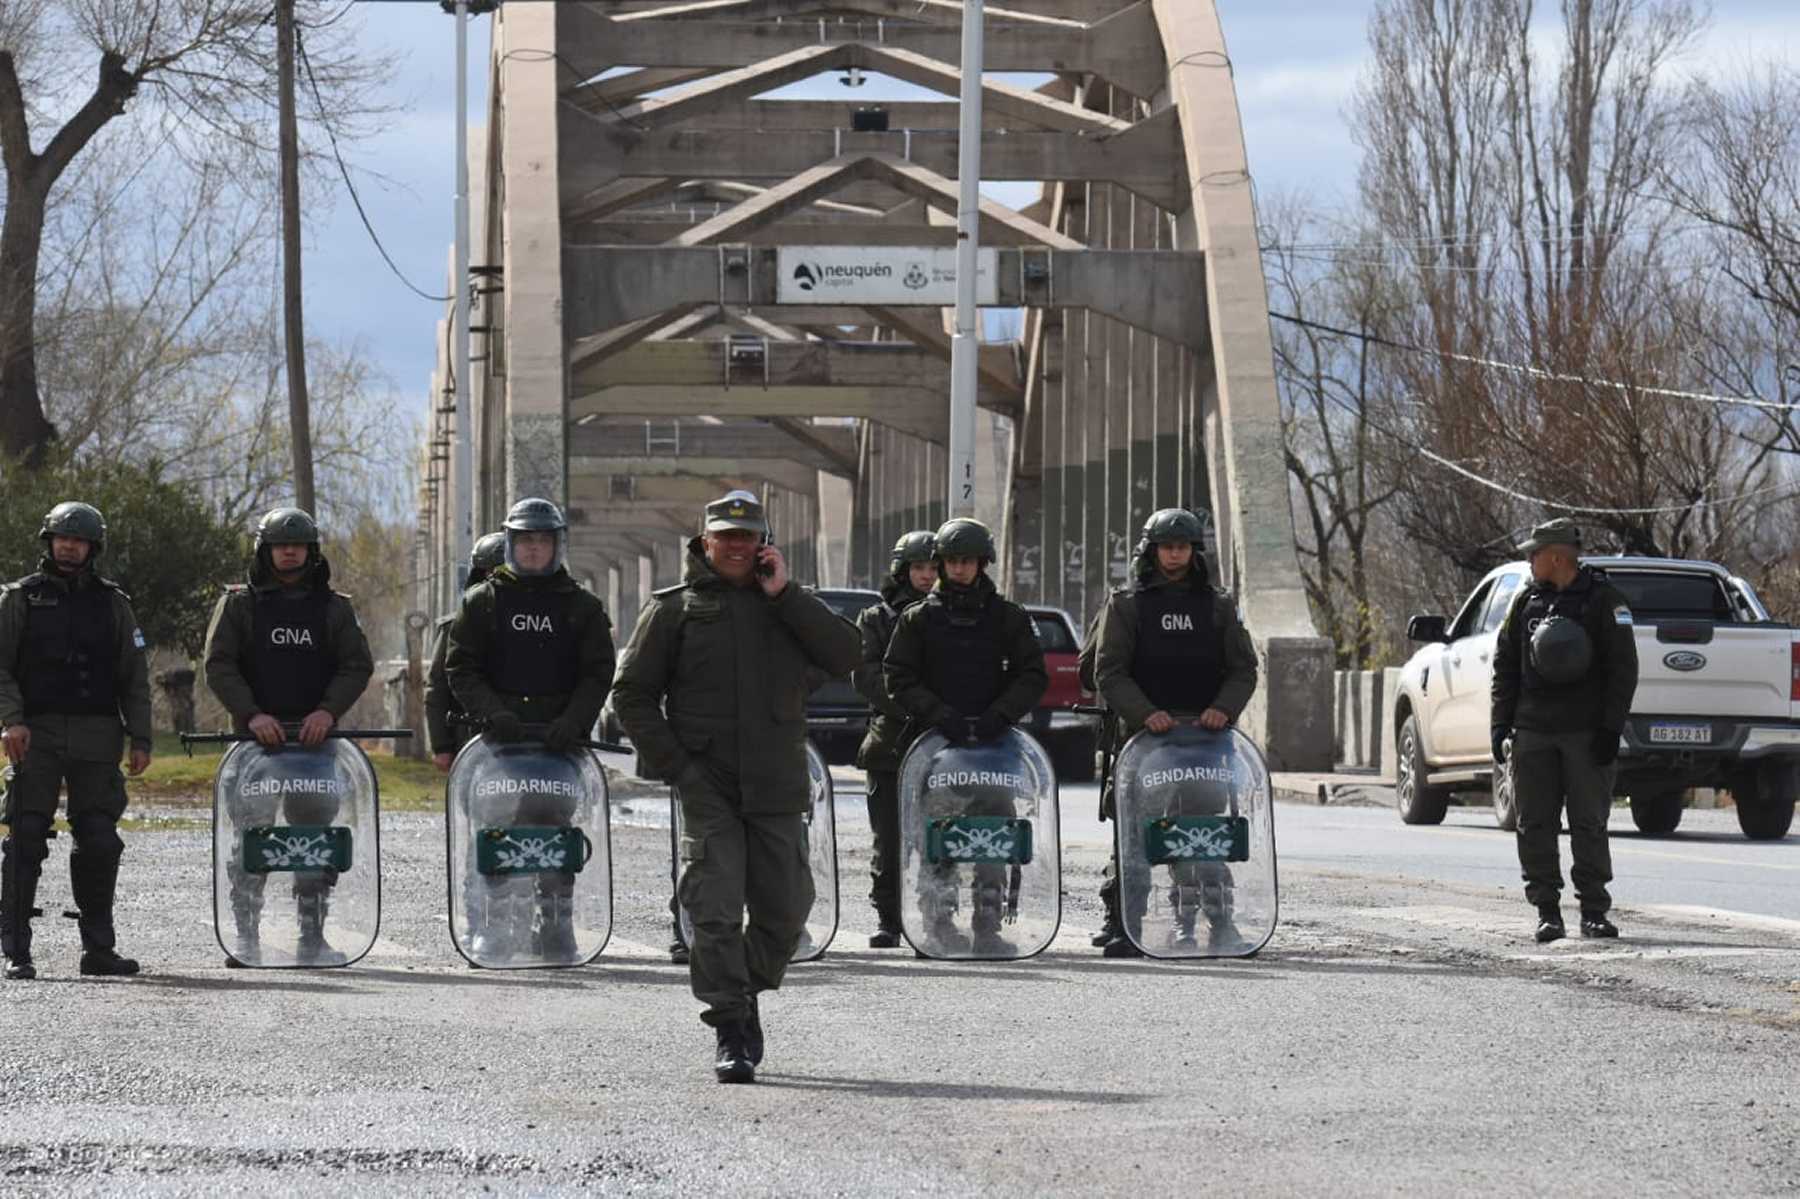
[1541, 603]
[534, 650]
[292, 659]
[69, 657]
[965, 664]
[1179, 662]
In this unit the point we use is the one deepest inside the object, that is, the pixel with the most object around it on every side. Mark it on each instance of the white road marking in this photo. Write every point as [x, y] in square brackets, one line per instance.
[1699, 914]
[1631, 849]
[1691, 951]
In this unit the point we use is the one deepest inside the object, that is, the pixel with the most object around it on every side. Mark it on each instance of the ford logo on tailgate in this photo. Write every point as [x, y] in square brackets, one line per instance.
[1685, 660]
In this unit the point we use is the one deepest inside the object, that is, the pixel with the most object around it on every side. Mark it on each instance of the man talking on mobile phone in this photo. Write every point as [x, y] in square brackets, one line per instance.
[712, 689]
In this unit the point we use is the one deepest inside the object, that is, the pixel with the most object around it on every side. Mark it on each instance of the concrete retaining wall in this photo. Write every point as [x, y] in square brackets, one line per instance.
[1363, 719]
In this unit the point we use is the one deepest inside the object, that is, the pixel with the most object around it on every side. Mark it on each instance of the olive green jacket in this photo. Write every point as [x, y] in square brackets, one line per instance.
[439, 700]
[903, 671]
[231, 637]
[1117, 645]
[1601, 700]
[889, 736]
[474, 627]
[84, 738]
[716, 677]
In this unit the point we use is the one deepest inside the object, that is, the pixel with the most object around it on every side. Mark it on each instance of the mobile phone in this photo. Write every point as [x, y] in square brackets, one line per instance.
[763, 569]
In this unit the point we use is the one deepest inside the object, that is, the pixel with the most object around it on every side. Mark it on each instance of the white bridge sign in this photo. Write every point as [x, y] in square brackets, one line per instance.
[880, 275]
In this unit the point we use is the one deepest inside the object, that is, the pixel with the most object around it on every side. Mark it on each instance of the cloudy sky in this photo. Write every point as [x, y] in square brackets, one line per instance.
[1296, 63]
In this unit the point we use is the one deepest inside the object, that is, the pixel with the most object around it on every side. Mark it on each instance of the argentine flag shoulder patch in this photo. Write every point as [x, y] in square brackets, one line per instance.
[1621, 615]
[137, 638]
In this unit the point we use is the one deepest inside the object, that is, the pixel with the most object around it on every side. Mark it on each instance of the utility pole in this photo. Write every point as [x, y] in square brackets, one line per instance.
[462, 510]
[965, 345]
[299, 418]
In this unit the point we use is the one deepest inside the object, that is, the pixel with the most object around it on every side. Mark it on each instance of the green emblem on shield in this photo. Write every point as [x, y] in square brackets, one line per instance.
[978, 840]
[272, 847]
[1172, 839]
[530, 850]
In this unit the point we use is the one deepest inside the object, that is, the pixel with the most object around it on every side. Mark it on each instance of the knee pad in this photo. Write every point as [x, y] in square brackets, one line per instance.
[30, 836]
[96, 834]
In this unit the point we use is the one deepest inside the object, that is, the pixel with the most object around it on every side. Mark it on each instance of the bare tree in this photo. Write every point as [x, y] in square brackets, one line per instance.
[206, 65]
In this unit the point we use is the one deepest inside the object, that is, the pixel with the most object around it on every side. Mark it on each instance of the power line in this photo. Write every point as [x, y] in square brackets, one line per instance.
[324, 120]
[1538, 372]
[1494, 484]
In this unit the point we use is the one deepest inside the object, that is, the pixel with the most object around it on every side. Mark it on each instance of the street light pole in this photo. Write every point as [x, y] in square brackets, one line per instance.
[463, 462]
[965, 345]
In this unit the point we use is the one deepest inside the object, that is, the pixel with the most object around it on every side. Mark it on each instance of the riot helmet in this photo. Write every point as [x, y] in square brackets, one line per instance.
[1166, 526]
[488, 552]
[72, 518]
[1561, 651]
[286, 526]
[534, 515]
[964, 537]
[920, 545]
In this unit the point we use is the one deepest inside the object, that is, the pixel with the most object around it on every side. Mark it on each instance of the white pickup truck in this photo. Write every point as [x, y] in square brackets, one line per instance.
[1717, 703]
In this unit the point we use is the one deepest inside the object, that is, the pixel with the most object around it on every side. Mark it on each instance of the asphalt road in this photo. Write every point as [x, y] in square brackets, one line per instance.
[1401, 1034]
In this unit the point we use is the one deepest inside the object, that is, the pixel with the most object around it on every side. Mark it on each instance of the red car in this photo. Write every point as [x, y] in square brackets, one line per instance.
[1070, 737]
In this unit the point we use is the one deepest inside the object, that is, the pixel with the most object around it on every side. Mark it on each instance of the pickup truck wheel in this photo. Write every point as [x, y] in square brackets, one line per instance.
[1765, 801]
[1506, 797]
[1657, 813]
[1419, 802]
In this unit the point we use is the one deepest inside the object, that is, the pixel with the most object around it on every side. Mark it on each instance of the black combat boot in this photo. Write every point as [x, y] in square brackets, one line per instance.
[887, 930]
[678, 952]
[556, 927]
[93, 879]
[1550, 925]
[18, 897]
[314, 949]
[733, 1064]
[985, 922]
[753, 1033]
[105, 961]
[1595, 926]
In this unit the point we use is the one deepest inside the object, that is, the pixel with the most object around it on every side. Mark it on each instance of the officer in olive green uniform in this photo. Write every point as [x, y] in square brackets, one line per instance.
[912, 572]
[1565, 669]
[443, 719]
[286, 649]
[713, 691]
[531, 646]
[966, 661]
[73, 688]
[1169, 645]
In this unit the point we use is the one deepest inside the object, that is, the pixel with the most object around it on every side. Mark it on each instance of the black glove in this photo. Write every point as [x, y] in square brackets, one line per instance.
[1606, 746]
[990, 724]
[504, 726]
[954, 725]
[1498, 737]
[561, 735]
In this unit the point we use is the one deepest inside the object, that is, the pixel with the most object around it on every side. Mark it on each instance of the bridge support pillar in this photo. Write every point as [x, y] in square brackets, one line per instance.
[534, 446]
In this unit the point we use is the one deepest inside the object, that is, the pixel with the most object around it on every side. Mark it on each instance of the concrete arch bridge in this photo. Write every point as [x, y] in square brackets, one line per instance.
[699, 263]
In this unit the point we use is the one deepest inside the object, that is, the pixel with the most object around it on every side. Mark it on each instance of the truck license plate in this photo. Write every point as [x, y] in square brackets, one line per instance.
[1681, 734]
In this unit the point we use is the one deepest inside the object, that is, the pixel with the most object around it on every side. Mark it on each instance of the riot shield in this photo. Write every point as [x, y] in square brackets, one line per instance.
[529, 845]
[296, 855]
[980, 852]
[1196, 840]
[821, 841]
